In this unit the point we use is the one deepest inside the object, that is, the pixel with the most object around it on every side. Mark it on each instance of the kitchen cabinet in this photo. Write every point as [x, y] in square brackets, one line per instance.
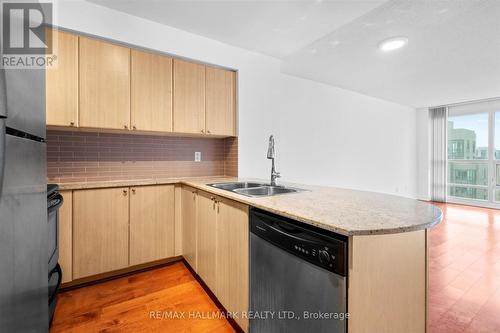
[151, 223]
[151, 92]
[216, 245]
[189, 97]
[104, 84]
[100, 231]
[207, 239]
[66, 236]
[387, 282]
[220, 101]
[189, 223]
[232, 269]
[62, 82]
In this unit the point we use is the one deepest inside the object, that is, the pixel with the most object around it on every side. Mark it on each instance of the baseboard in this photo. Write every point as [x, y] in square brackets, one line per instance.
[99, 278]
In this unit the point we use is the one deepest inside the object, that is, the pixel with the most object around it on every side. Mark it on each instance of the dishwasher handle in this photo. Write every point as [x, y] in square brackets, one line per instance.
[315, 246]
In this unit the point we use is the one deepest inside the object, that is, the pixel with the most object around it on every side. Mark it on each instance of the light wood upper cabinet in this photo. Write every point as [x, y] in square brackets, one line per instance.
[62, 82]
[151, 223]
[207, 238]
[104, 84]
[151, 92]
[66, 236]
[220, 101]
[189, 97]
[189, 230]
[100, 231]
[232, 258]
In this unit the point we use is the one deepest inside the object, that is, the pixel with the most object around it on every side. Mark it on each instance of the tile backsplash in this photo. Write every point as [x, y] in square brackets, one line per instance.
[75, 156]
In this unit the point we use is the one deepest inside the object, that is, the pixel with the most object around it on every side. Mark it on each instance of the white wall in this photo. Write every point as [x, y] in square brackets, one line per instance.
[325, 135]
[337, 137]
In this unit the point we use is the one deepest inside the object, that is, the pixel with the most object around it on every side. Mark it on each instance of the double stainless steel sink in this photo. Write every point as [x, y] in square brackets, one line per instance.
[255, 189]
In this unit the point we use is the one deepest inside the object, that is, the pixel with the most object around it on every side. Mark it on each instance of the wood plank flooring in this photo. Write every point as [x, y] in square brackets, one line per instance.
[129, 304]
[464, 287]
[464, 271]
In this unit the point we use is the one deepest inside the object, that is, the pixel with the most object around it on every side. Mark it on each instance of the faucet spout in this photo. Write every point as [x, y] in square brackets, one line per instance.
[271, 155]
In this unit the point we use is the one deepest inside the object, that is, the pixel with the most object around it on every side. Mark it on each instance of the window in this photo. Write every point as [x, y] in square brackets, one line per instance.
[467, 156]
[473, 162]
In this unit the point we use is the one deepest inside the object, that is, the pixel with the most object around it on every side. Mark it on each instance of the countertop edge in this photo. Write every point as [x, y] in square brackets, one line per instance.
[242, 199]
[195, 183]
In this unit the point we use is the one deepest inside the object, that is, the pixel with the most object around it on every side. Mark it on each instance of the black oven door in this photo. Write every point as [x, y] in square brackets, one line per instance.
[53, 203]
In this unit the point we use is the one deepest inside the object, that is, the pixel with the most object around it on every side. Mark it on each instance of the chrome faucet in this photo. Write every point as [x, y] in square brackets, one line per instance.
[271, 155]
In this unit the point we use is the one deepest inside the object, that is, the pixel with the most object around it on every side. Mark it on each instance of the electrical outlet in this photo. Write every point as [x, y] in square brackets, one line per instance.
[197, 156]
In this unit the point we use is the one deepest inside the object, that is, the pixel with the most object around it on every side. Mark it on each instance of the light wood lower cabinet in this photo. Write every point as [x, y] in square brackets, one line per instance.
[387, 283]
[215, 232]
[100, 231]
[189, 232]
[232, 268]
[151, 223]
[207, 239]
[66, 236]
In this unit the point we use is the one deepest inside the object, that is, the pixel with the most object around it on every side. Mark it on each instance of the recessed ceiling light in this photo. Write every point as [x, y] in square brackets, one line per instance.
[392, 44]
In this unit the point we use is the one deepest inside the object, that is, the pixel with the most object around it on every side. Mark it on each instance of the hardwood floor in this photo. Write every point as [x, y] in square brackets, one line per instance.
[464, 271]
[130, 304]
[464, 287]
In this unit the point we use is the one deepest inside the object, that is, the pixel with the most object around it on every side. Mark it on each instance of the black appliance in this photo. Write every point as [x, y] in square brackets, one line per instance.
[297, 271]
[54, 201]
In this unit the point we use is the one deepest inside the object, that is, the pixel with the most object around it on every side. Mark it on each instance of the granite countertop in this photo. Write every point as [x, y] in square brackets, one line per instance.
[347, 212]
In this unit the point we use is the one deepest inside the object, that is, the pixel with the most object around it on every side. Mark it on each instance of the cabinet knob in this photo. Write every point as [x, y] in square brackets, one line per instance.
[134, 128]
[71, 123]
[133, 191]
[125, 126]
[125, 192]
[202, 131]
[208, 131]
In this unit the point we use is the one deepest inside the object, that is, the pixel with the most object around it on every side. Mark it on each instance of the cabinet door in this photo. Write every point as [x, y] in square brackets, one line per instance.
[151, 223]
[100, 231]
[232, 258]
[62, 82]
[207, 238]
[221, 104]
[66, 236]
[189, 97]
[189, 226]
[104, 84]
[151, 92]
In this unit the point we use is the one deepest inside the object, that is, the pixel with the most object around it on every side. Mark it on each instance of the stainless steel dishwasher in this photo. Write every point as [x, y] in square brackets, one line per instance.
[297, 277]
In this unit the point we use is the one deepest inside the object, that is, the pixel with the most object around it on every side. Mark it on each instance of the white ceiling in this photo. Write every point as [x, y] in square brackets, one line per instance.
[453, 53]
[275, 28]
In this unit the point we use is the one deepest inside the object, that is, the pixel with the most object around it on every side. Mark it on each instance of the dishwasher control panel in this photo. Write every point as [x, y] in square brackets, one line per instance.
[320, 247]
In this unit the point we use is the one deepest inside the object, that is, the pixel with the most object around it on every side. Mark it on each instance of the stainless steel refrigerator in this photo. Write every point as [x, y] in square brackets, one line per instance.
[23, 202]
